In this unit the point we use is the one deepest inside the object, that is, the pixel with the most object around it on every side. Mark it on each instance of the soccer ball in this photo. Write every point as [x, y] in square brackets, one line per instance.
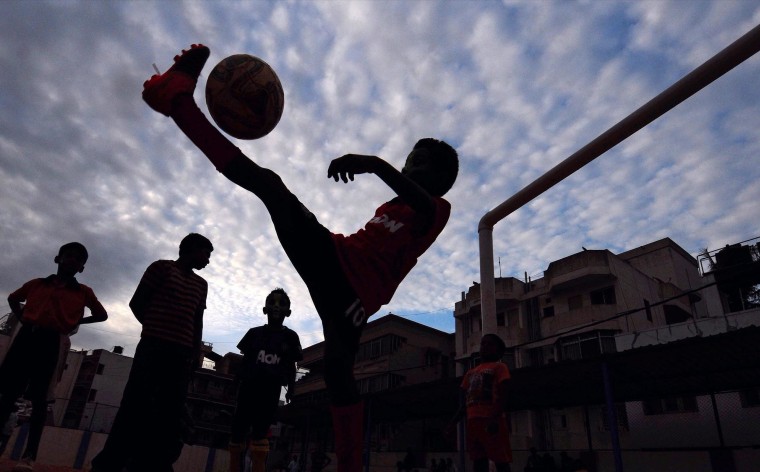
[244, 96]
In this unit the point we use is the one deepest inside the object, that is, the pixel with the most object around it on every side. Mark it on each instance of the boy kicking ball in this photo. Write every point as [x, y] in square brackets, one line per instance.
[349, 277]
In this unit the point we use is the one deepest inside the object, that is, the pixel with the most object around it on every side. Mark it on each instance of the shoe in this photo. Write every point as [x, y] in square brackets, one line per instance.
[160, 90]
[24, 465]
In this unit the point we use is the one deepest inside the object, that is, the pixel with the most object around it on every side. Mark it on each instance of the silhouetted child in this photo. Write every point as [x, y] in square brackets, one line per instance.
[349, 277]
[169, 303]
[485, 394]
[270, 353]
[52, 308]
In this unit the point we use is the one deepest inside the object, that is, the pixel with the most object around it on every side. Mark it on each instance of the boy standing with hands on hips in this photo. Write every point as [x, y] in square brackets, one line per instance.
[54, 307]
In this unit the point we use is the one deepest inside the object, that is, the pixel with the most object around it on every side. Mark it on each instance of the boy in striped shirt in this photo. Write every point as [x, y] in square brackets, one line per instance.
[169, 302]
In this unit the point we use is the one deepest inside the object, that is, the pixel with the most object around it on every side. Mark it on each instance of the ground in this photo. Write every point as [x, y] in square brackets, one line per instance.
[6, 465]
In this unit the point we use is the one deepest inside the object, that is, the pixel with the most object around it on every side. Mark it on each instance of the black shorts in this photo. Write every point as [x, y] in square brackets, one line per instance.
[255, 411]
[311, 250]
[30, 363]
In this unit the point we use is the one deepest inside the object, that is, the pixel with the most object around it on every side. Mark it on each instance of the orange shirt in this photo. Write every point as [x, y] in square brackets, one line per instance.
[480, 385]
[54, 305]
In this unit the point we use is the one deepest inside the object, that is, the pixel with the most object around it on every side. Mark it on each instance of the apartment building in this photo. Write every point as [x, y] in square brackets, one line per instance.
[404, 371]
[548, 318]
[211, 399]
[89, 391]
[90, 388]
[595, 302]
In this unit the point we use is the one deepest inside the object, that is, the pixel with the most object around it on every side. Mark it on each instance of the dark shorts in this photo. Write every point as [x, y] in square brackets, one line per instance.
[29, 365]
[255, 411]
[311, 250]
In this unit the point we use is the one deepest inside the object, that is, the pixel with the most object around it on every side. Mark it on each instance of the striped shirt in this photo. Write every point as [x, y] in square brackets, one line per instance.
[178, 297]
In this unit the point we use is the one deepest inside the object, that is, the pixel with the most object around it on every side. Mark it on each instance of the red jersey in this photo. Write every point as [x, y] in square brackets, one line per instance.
[480, 385]
[376, 258]
[52, 305]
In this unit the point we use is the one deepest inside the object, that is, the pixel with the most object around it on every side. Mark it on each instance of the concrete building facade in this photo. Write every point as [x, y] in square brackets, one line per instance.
[395, 355]
[595, 302]
[91, 401]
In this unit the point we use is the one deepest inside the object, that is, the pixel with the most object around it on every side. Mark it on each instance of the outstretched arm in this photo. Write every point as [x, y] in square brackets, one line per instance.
[345, 167]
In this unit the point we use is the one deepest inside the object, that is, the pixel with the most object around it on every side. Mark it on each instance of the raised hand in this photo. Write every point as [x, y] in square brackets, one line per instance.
[345, 167]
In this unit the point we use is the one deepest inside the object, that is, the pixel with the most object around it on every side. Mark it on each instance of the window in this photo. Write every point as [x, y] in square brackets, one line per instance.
[381, 346]
[558, 419]
[500, 319]
[375, 347]
[621, 414]
[587, 345]
[548, 311]
[575, 302]
[100, 369]
[432, 357]
[91, 395]
[379, 383]
[663, 406]
[603, 296]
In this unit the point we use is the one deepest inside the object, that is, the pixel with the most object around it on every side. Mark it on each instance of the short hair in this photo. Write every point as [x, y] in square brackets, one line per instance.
[448, 160]
[194, 241]
[499, 341]
[75, 247]
[280, 291]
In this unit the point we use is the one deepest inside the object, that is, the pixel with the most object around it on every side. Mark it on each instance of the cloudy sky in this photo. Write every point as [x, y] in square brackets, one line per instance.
[515, 86]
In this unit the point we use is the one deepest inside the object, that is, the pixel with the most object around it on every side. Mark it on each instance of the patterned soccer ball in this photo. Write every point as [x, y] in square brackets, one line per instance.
[244, 96]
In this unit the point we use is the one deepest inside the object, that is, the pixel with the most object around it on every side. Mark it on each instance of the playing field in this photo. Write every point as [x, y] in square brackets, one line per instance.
[6, 465]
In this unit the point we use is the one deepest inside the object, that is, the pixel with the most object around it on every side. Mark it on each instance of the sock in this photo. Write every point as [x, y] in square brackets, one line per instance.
[191, 120]
[259, 450]
[348, 423]
[236, 453]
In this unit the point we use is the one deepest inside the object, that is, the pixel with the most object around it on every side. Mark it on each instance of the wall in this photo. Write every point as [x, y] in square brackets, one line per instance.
[75, 448]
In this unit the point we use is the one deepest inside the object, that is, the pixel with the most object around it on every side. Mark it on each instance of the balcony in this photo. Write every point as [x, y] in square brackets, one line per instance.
[584, 268]
[505, 288]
